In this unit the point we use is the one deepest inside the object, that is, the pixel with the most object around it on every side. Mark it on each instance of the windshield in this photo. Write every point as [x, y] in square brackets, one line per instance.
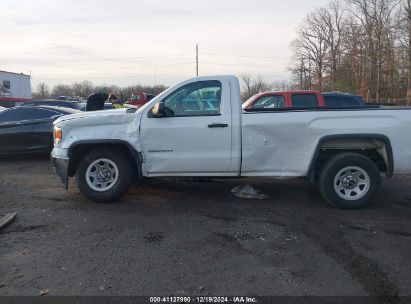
[248, 101]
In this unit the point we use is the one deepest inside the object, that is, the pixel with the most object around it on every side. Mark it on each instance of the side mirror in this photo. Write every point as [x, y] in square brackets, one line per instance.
[159, 110]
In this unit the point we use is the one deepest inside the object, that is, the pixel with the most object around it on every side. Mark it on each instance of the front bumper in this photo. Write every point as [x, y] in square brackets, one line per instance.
[61, 165]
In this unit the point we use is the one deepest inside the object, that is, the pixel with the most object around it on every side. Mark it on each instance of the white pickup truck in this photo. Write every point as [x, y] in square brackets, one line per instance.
[198, 128]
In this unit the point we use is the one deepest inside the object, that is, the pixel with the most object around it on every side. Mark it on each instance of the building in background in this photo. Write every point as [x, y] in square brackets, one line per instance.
[14, 88]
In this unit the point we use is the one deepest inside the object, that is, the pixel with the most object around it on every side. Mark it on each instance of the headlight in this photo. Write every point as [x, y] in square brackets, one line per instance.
[58, 135]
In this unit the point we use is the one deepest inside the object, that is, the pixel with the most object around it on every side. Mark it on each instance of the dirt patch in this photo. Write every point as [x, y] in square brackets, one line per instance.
[173, 237]
[154, 237]
[399, 233]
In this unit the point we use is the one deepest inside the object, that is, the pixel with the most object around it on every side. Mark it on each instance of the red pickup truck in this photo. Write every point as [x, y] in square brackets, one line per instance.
[301, 99]
[139, 99]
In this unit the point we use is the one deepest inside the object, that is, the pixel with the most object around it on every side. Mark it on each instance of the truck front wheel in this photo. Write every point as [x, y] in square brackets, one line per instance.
[104, 175]
[349, 181]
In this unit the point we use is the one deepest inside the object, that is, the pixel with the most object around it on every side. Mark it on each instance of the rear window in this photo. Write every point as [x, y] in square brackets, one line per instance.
[58, 110]
[54, 103]
[304, 101]
[43, 113]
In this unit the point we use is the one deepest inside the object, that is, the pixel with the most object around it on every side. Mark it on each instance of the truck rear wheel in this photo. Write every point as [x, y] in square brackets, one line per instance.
[349, 181]
[104, 175]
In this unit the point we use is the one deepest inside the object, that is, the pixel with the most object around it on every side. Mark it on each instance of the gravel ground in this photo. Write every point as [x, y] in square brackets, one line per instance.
[186, 237]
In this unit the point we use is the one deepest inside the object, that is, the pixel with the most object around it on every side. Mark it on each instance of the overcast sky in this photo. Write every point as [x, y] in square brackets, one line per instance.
[127, 42]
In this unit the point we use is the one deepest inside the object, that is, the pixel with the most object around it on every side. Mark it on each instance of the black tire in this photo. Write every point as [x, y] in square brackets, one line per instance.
[333, 167]
[117, 188]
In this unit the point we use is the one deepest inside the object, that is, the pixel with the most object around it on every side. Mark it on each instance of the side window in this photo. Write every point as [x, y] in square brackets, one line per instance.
[16, 114]
[330, 101]
[340, 101]
[200, 98]
[6, 84]
[269, 102]
[43, 114]
[4, 115]
[304, 101]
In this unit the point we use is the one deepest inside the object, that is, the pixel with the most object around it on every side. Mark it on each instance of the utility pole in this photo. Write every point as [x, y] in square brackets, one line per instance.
[197, 59]
[155, 77]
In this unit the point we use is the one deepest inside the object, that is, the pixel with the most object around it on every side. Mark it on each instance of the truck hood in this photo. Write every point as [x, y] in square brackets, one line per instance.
[121, 124]
[114, 114]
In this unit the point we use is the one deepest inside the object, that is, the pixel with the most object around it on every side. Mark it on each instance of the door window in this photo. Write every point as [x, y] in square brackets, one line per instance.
[200, 98]
[304, 101]
[269, 102]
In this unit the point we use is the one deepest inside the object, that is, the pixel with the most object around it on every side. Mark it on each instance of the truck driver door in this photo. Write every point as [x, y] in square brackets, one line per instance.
[194, 138]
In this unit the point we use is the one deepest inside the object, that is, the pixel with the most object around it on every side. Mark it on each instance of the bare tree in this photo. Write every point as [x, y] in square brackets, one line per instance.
[260, 85]
[83, 88]
[406, 37]
[317, 49]
[332, 17]
[61, 90]
[358, 46]
[376, 17]
[42, 91]
[252, 86]
[312, 45]
[247, 91]
[281, 85]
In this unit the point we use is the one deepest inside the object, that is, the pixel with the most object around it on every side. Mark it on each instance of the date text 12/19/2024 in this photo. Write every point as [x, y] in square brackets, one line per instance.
[203, 299]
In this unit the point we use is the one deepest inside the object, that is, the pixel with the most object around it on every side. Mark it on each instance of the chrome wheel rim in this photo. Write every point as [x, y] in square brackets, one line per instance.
[352, 183]
[102, 174]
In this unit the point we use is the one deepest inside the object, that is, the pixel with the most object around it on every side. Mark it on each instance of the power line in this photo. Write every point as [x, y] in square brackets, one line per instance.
[126, 58]
[132, 67]
[111, 59]
[161, 65]
[162, 74]
[111, 76]
[246, 56]
[240, 65]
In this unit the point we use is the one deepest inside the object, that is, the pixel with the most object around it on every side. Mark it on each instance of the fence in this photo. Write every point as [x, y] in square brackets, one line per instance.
[390, 102]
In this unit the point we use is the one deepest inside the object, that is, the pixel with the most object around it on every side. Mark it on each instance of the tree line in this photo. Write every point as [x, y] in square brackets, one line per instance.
[357, 46]
[85, 88]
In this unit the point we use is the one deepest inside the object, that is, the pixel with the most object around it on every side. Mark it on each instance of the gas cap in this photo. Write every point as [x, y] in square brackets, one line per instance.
[259, 140]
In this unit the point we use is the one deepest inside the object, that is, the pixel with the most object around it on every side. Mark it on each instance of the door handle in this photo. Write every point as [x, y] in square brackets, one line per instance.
[218, 125]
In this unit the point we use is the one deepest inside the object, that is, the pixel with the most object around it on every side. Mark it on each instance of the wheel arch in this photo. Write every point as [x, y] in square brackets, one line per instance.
[361, 143]
[80, 148]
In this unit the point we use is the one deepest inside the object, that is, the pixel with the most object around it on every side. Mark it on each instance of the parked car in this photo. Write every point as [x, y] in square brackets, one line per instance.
[107, 106]
[338, 99]
[65, 98]
[63, 103]
[345, 150]
[54, 103]
[139, 99]
[302, 99]
[29, 129]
